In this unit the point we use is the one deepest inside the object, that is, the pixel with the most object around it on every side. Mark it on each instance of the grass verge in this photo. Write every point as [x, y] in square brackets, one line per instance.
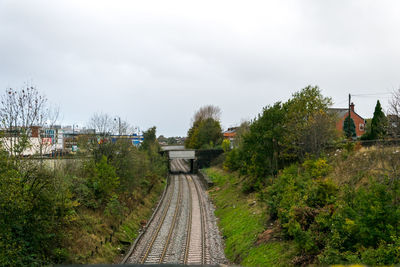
[243, 224]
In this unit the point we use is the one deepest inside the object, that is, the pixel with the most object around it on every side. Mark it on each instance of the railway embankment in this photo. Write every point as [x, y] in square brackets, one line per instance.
[249, 241]
[340, 209]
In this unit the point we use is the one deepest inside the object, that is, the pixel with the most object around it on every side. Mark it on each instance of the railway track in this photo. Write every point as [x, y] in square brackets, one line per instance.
[176, 233]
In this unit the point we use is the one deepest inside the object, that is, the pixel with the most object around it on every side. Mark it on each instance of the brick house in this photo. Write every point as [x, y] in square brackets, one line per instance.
[342, 113]
[230, 134]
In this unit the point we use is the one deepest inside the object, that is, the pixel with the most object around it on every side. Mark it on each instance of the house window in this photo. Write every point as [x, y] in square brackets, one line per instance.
[361, 126]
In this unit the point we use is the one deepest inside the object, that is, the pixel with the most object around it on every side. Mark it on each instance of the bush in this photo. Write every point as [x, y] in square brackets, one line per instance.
[232, 160]
[336, 225]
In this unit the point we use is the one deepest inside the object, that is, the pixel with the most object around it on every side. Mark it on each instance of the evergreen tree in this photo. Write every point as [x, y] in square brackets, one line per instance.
[349, 127]
[379, 123]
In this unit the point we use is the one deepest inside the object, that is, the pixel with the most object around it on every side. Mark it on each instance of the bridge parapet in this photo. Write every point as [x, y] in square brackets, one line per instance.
[182, 154]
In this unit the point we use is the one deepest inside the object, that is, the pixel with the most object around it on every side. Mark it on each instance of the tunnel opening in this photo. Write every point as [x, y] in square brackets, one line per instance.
[182, 166]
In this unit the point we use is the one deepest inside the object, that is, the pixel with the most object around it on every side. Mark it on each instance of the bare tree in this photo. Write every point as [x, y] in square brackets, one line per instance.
[207, 112]
[123, 127]
[394, 114]
[103, 124]
[21, 111]
[106, 125]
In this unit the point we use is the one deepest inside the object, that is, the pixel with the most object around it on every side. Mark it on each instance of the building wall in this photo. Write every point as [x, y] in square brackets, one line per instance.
[358, 121]
[36, 145]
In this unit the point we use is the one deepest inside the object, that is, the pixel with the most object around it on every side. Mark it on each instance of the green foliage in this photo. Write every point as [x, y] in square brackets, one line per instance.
[379, 125]
[210, 133]
[349, 127]
[232, 160]
[309, 127]
[41, 210]
[226, 145]
[262, 146]
[336, 225]
[149, 139]
[283, 134]
[104, 180]
[241, 221]
[206, 132]
[31, 215]
[114, 208]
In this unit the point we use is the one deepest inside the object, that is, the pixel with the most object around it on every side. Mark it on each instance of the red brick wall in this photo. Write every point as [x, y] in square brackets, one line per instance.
[357, 121]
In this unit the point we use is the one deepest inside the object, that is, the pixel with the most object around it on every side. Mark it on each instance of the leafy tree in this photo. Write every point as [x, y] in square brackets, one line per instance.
[192, 140]
[150, 139]
[349, 127]
[226, 145]
[282, 134]
[309, 127]
[210, 133]
[262, 146]
[206, 130]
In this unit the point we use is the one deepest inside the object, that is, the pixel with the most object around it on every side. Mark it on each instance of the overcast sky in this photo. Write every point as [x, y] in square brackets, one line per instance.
[157, 62]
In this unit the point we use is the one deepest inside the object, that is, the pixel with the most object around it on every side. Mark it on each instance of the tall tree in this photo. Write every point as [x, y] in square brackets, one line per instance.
[210, 133]
[206, 112]
[285, 133]
[309, 126]
[206, 130]
[379, 123]
[149, 138]
[263, 144]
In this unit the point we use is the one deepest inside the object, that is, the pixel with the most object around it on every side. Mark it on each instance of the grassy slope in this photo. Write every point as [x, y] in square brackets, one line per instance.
[92, 230]
[241, 220]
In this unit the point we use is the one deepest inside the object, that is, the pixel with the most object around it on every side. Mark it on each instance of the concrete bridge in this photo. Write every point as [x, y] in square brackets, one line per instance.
[195, 159]
[179, 152]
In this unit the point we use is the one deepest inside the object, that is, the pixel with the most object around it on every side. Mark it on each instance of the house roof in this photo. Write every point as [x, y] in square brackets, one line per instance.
[341, 112]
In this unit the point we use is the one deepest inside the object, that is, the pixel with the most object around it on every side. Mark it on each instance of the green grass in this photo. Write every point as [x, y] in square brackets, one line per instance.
[241, 220]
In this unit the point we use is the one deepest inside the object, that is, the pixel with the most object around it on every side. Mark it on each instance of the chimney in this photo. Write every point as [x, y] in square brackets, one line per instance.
[352, 106]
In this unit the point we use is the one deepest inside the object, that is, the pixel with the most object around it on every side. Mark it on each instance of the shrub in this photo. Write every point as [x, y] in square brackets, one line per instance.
[336, 225]
[232, 160]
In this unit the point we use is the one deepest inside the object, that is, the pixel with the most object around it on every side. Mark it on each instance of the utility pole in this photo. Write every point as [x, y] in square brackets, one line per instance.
[73, 134]
[119, 125]
[349, 106]
[349, 120]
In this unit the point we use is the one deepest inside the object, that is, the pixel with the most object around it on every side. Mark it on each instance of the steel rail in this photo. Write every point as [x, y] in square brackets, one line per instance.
[155, 234]
[203, 238]
[188, 224]
[160, 202]
[174, 220]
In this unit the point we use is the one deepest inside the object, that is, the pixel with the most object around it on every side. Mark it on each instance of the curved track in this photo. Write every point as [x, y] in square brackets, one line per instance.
[177, 231]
